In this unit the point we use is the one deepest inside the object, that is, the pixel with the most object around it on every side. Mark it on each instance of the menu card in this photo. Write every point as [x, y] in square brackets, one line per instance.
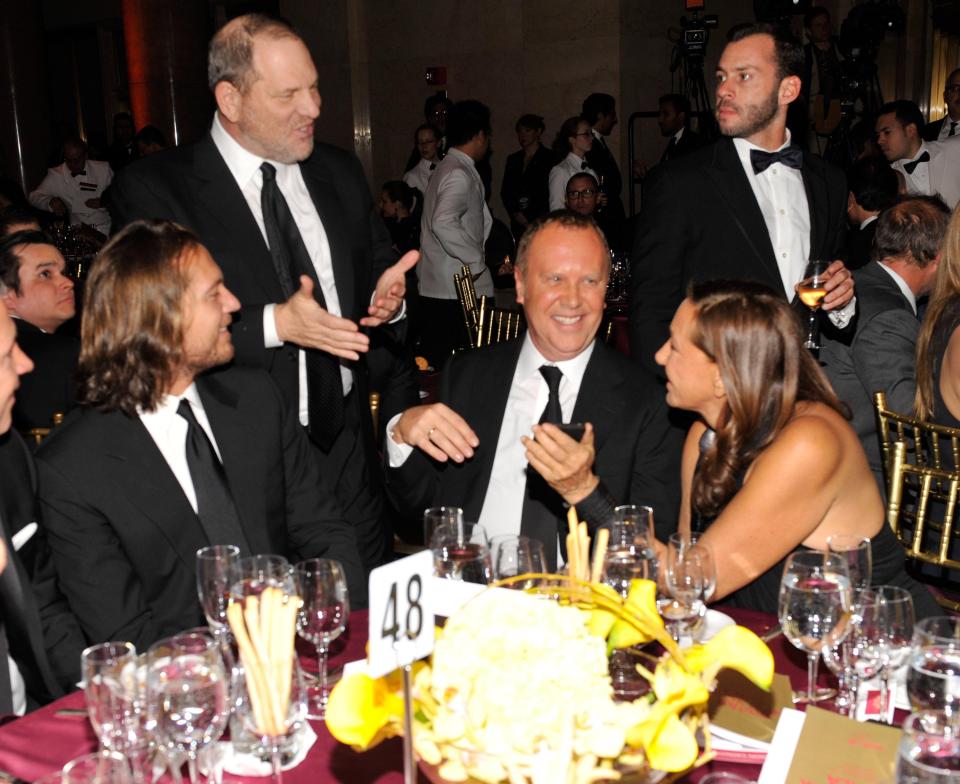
[833, 749]
[743, 717]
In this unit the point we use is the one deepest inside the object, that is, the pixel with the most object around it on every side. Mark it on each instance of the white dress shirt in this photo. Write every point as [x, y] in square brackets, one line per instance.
[528, 397]
[782, 199]
[419, 176]
[560, 175]
[75, 192]
[454, 228]
[169, 432]
[245, 168]
[918, 181]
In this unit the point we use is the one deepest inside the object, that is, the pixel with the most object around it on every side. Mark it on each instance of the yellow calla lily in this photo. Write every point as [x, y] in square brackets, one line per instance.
[666, 741]
[642, 605]
[600, 621]
[737, 648]
[362, 711]
[677, 689]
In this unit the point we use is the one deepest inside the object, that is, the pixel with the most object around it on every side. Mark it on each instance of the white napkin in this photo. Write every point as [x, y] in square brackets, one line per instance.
[251, 765]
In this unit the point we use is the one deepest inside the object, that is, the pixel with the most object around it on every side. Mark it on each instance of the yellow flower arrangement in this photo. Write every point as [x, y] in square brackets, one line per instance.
[518, 689]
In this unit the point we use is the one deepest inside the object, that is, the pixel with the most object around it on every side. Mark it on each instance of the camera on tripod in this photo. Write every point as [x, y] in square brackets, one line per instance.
[696, 29]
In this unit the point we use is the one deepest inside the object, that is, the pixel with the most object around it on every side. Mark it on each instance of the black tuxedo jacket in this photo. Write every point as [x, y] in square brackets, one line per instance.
[124, 535]
[880, 357]
[931, 131]
[700, 221]
[193, 186]
[611, 218]
[689, 141]
[48, 388]
[636, 453]
[43, 636]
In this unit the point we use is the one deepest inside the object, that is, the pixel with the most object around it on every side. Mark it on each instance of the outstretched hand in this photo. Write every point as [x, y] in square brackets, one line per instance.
[390, 291]
[302, 321]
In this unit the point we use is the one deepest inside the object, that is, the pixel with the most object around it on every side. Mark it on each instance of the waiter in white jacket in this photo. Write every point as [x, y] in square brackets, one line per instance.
[454, 228]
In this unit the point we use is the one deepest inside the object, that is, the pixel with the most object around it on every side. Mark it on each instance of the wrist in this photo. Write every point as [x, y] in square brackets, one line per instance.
[575, 496]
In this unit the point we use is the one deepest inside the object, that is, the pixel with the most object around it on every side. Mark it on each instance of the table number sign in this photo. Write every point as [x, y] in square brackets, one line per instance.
[401, 613]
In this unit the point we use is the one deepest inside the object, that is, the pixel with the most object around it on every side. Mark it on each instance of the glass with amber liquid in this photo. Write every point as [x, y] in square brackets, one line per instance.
[812, 290]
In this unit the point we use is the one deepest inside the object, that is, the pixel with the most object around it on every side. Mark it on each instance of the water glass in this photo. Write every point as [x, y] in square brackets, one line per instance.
[933, 679]
[814, 609]
[322, 618]
[685, 583]
[929, 751]
[441, 517]
[102, 767]
[109, 672]
[895, 611]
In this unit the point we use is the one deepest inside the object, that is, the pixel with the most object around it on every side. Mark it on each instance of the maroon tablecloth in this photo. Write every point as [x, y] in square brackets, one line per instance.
[42, 742]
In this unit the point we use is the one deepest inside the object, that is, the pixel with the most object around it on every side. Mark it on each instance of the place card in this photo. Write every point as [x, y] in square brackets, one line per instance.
[742, 711]
[833, 749]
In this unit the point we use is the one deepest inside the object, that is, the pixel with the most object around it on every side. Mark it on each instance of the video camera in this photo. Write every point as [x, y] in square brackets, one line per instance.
[696, 29]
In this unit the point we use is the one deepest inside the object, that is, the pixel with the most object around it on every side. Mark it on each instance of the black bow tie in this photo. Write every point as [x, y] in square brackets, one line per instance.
[433, 166]
[81, 173]
[584, 164]
[761, 160]
[909, 167]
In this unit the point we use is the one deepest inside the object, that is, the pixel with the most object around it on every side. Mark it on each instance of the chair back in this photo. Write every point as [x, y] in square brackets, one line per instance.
[467, 296]
[496, 325]
[35, 435]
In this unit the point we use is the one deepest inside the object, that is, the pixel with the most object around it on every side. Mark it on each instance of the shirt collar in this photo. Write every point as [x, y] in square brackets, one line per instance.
[574, 160]
[868, 221]
[678, 134]
[242, 163]
[531, 359]
[924, 148]
[167, 407]
[743, 148]
[461, 156]
[902, 285]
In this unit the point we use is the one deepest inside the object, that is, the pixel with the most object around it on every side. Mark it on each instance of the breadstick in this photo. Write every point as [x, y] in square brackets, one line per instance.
[583, 539]
[255, 686]
[599, 550]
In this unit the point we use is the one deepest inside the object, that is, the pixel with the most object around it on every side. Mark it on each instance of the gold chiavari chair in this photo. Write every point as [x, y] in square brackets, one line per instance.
[467, 295]
[921, 509]
[496, 325]
[35, 435]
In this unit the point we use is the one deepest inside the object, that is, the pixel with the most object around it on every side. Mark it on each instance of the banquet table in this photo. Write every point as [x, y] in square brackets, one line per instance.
[44, 740]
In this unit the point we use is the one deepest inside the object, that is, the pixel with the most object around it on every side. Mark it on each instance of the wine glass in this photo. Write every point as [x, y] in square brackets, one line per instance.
[187, 695]
[933, 680]
[707, 563]
[814, 609]
[322, 617]
[462, 555]
[102, 767]
[812, 290]
[441, 517]
[217, 570]
[109, 672]
[684, 582]
[858, 657]
[929, 751]
[514, 555]
[896, 634]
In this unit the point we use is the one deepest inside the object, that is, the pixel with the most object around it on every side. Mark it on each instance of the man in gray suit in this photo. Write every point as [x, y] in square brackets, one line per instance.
[881, 355]
[456, 223]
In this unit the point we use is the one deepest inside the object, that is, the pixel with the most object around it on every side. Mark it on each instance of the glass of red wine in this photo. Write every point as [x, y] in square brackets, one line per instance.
[812, 290]
[322, 618]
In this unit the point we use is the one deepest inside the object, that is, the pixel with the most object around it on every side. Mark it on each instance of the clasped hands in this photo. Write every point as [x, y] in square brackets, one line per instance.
[565, 463]
[302, 321]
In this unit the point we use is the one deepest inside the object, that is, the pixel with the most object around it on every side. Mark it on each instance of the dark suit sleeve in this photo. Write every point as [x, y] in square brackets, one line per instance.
[95, 574]
[656, 466]
[509, 188]
[316, 527]
[657, 263]
[132, 197]
[884, 359]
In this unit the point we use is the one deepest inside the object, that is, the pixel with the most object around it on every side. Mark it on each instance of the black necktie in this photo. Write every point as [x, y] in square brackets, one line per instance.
[668, 153]
[291, 260]
[542, 506]
[81, 173]
[909, 167]
[433, 165]
[584, 164]
[215, 507]
[762, 160]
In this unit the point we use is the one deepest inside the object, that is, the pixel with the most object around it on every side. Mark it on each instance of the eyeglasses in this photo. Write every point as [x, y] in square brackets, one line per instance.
[586, 193]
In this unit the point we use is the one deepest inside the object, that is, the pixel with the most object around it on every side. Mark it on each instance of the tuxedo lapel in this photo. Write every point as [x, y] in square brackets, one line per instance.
[240, 463]
[142, 476]
[325, 199]
[220, 197]
[599, 400]
[727, 175]
[818, 197]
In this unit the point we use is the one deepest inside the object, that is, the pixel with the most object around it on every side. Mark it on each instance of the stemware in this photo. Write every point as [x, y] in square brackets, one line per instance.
[859, 656]
[933, 680]
[929, 751]
[811, 291]
[436, 517]
[814, 609]
[514, 555]
[684, 582]
[109, 682]
[462, 555]
[895, 633]
[187, 695]
[217, 570]
[322, 618]
[102, 767]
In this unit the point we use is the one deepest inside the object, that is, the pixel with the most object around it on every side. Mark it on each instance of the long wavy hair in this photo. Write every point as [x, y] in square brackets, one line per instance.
[945, 291]
[756, 341]
[132, 328]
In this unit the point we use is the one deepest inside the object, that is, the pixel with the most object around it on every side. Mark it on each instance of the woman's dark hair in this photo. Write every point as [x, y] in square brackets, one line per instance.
[132, 328]
[756, 340]
[561, 145]
[398, 190]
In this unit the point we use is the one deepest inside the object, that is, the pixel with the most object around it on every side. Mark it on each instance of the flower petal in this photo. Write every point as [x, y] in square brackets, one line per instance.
[358, 708]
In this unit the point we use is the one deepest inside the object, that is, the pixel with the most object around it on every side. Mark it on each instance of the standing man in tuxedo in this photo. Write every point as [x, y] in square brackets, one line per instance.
[600, 110]
[472, 448]
[162, 458]
[750, 206]
[291, 225]
[947, 126]
[880, 355]
[873, 188]
[40, 641]
[927, 168]
[674, 124]
[38, 293]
